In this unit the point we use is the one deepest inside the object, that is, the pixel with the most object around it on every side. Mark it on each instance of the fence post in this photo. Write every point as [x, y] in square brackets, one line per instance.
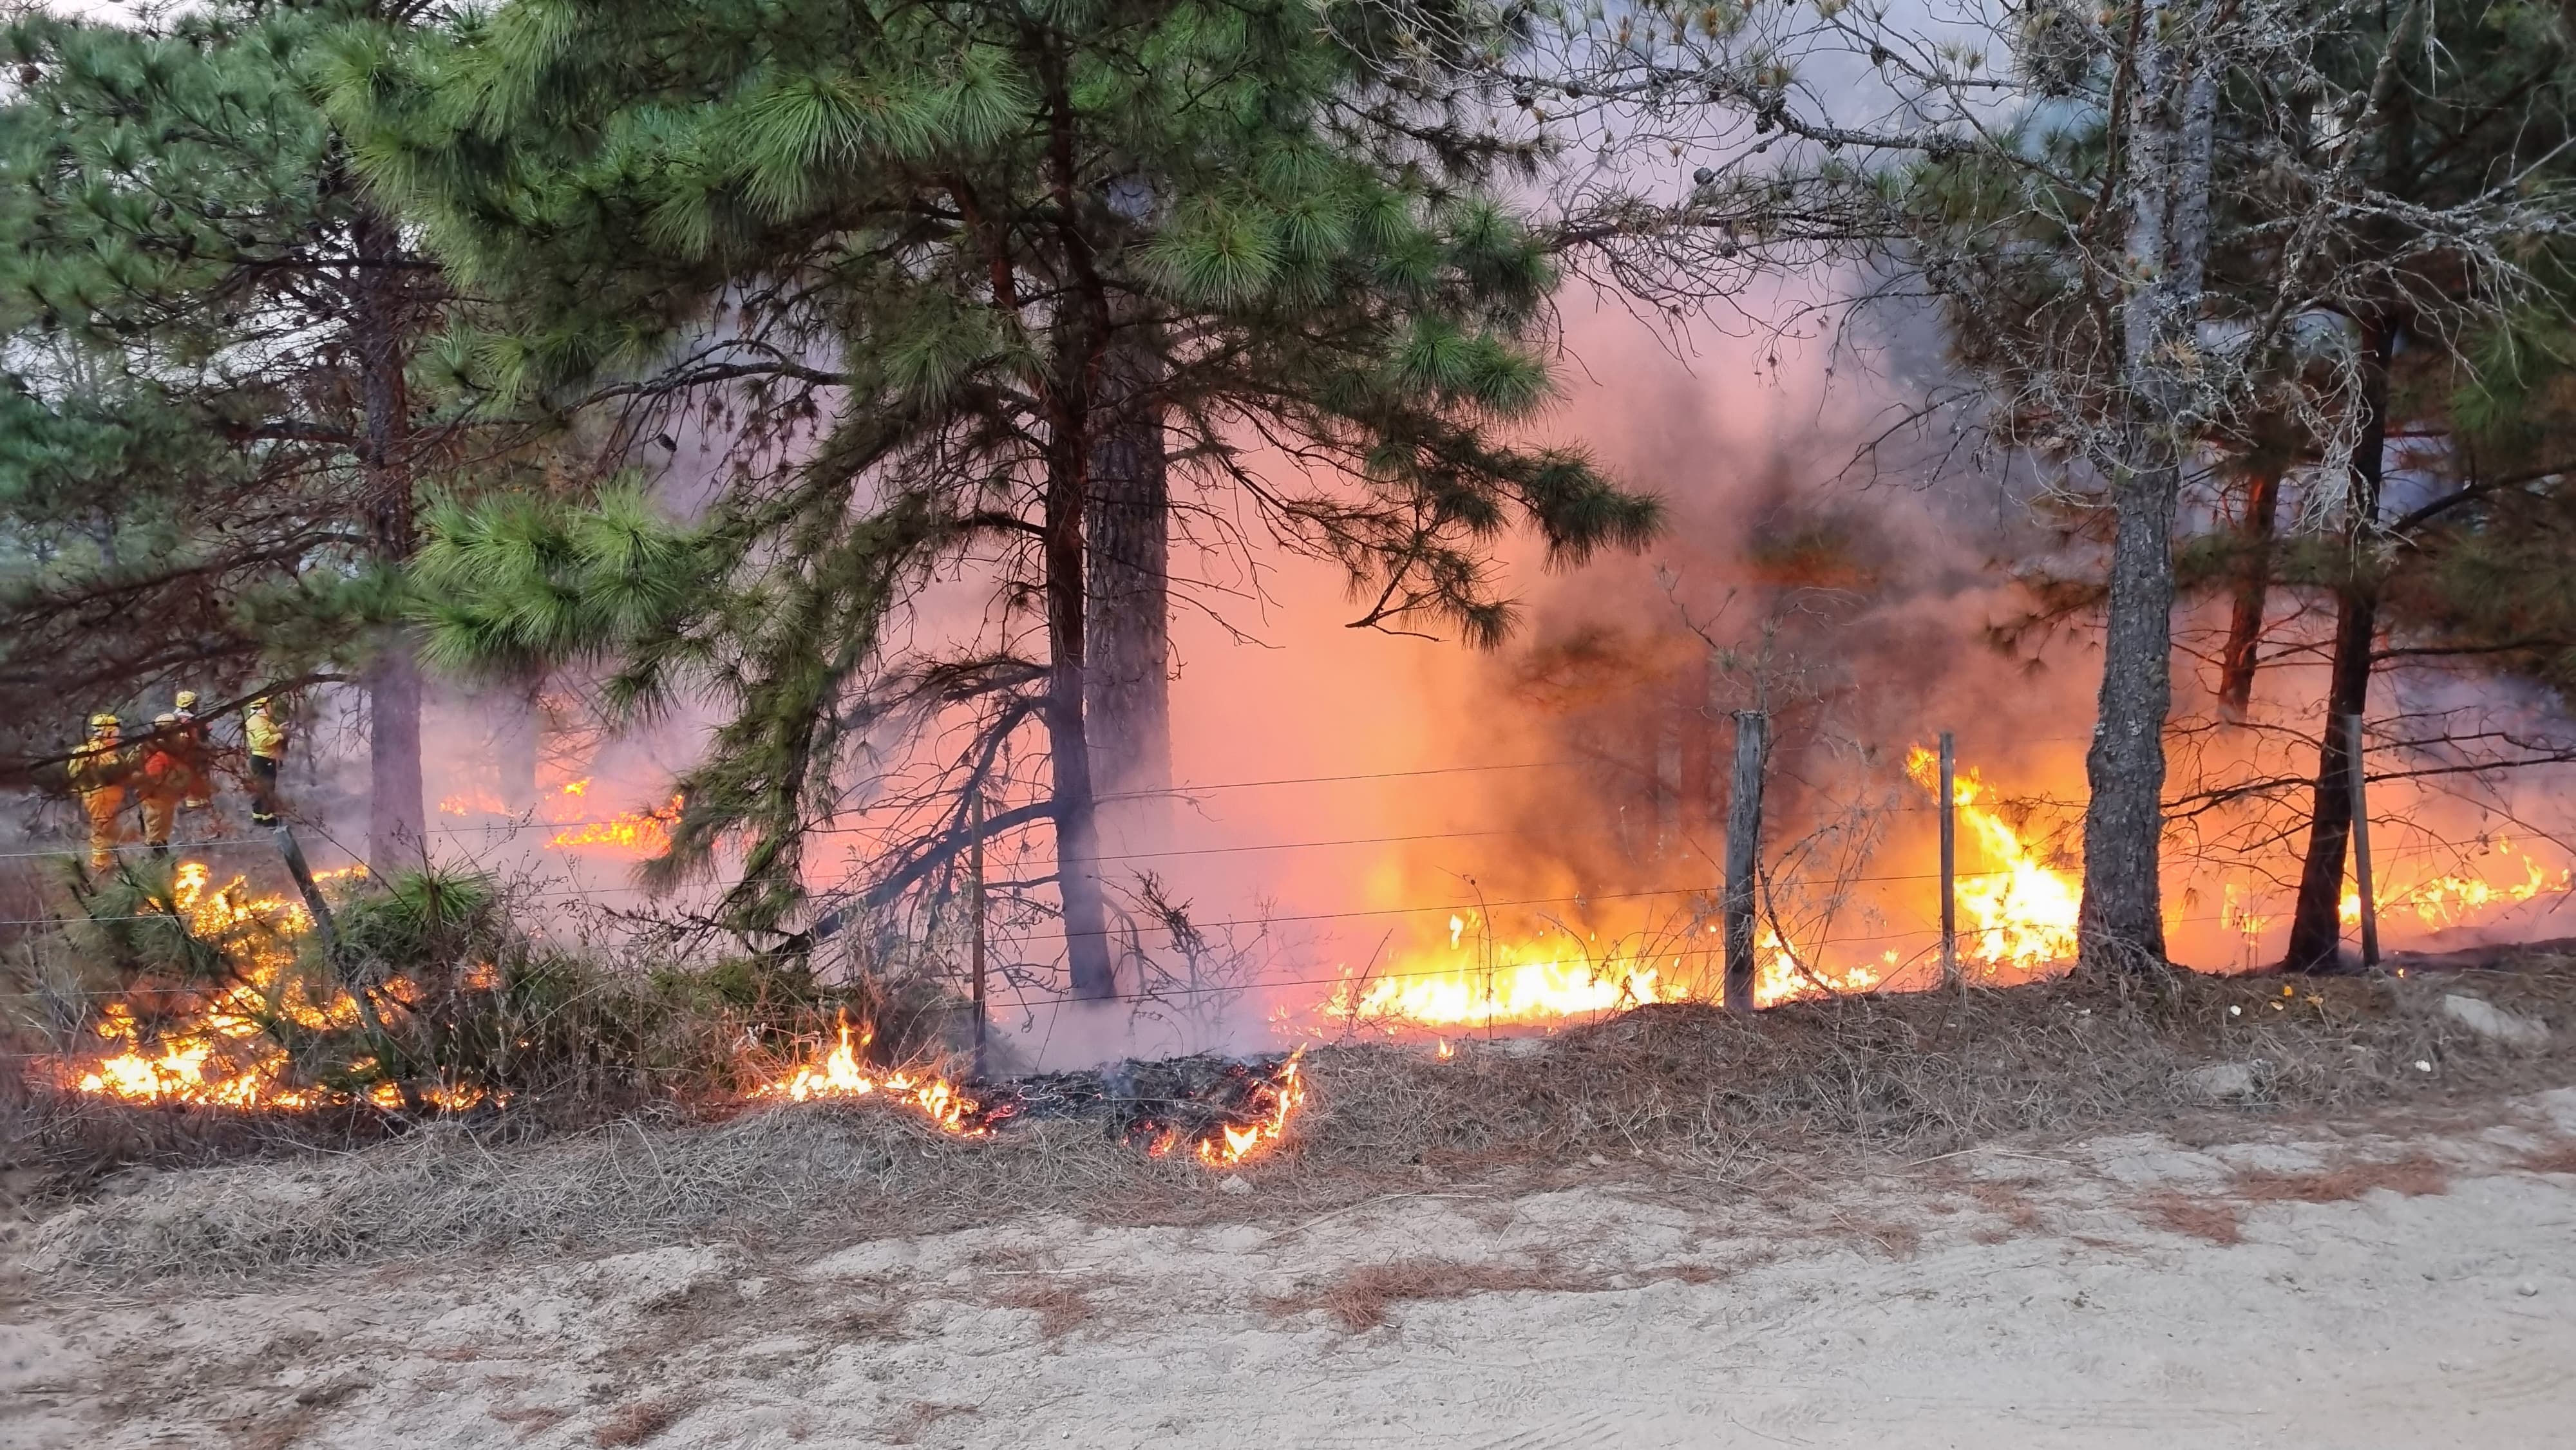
[2361, 844]
[1949, 861]
[975, 890]
[1743, 854]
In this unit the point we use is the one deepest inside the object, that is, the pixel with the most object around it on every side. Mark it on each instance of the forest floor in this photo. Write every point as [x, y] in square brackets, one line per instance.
[2400, 1276]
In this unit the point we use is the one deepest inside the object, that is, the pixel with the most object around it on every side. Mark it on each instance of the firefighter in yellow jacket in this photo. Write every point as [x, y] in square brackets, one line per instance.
[98, 771]
[265, 735]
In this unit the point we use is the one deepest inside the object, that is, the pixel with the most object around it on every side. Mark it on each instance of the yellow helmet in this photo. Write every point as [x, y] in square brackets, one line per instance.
[102, 721]
[186, 700]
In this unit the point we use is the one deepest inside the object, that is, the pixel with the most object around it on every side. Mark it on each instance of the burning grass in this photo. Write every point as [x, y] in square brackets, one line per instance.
[1676, 1094]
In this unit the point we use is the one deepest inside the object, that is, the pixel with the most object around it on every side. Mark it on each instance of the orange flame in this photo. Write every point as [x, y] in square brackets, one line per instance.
[840, 1075]
[1278, 1101]
[644, 833]
[2018, 914]
[219, 1052]
[2449, 900]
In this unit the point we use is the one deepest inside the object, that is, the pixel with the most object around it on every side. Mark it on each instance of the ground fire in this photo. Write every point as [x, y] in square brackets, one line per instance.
[570, 808]
[1227, 1112]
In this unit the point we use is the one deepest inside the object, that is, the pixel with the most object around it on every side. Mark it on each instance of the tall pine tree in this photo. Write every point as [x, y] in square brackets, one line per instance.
[899, 249]
[208, 444]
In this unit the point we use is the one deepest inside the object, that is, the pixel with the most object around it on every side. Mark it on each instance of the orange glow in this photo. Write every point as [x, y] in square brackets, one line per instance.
[1276, 1101]
[2449, 900]
[1524, 984]
[840, 1075]
[639, 833]
[218, 1052]
[2016, 913]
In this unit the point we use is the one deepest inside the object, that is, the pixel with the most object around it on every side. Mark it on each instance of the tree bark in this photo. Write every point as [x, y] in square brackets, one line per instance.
[2316, 926]
[1127, 530]
[395, 824]
[1744, 855]
[1077, 827]
[2253, 595]
[1128, 608]
[2168, 148]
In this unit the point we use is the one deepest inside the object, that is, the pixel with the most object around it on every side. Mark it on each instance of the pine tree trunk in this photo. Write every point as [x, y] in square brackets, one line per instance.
[395, 825]
[1127, 532]
[1128, 618]
[2253, 590]
[2123, 918]
[1077, 826]
[2121, 925]
[2316, 925]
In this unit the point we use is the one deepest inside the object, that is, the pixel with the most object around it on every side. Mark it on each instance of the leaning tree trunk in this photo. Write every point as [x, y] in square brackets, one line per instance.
[2236, 663]
[2316, 923]
[395, 825]
[2121, 923]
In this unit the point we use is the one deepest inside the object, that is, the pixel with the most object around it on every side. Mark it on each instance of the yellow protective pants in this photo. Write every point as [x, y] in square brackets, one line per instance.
[160, 812]
[105, 805]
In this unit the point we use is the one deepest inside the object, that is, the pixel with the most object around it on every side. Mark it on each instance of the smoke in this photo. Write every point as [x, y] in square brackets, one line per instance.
[1354, 803]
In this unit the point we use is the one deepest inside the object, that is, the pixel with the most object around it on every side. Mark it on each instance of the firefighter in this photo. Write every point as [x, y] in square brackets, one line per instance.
[98, 770]
[265, 735]
[164, 781]
[197, 764]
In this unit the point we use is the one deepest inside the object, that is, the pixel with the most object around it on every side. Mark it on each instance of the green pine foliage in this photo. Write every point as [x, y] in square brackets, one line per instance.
[894, 249]
[182, 419]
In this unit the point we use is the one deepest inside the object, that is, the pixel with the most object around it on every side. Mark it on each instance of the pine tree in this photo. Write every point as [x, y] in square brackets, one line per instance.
[889, 244]
[208, 447]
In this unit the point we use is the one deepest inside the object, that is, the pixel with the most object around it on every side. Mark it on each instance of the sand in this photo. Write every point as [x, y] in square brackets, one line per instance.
[2074, 1295]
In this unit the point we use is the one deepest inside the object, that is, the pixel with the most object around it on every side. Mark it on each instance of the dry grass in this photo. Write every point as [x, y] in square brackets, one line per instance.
[1359, 1298]
[2414, 1175]
[2197, 1218]
[1681, 1093]
[1362, 1298]
[2558, 1156]
[1061, 1306]
[638, 1421]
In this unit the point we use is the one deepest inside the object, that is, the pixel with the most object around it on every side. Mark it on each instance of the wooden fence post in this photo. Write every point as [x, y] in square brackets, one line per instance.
[1949, 862]
[2361, 844]
[1743, 854]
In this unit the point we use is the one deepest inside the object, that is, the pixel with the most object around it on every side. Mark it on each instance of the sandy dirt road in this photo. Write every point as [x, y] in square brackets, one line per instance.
[2389, 1288]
